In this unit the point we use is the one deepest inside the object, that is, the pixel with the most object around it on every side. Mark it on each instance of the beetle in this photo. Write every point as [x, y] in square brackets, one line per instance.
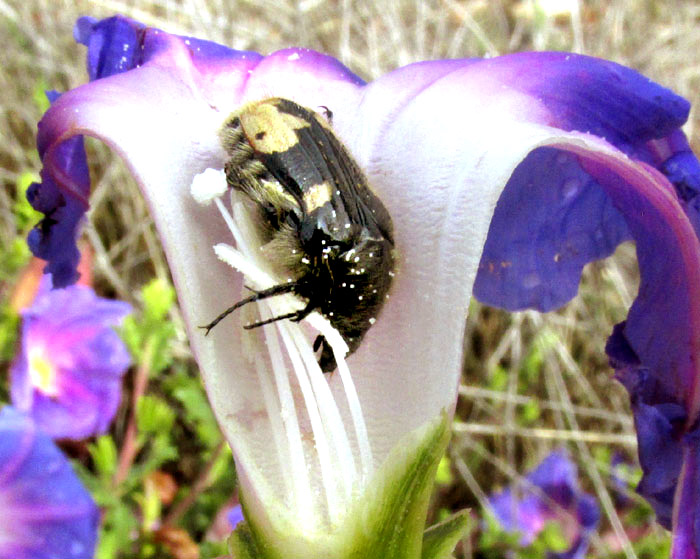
[323, 227]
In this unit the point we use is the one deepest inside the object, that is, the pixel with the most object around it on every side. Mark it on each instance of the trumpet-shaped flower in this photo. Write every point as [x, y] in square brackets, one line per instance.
[506, 175]
[549, 493]
[46, 512]
[68, 371]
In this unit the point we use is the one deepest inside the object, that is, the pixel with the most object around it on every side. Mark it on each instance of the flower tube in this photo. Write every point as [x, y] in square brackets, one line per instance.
[506, 175]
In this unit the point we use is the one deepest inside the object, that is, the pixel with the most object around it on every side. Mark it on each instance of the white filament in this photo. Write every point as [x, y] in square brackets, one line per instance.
[298, 348]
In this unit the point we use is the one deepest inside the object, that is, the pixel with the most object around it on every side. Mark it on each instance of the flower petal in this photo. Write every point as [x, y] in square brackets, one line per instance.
[685, 515]
[554, 218]
[54, 239]
[46, 512]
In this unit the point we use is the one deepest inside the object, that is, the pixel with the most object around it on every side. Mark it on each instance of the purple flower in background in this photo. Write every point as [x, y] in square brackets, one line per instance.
[67, 374]
[45, 512]
[235, 516]
[507, 175]
[549, 493]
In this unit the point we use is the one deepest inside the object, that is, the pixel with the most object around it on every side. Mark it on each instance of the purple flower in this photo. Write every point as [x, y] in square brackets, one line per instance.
[550, 492]
[67, 374]
[506, 175]
[46, 512]
[235, 516]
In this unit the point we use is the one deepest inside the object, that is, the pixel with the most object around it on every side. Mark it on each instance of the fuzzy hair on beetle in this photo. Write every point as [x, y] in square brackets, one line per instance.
[322, 225]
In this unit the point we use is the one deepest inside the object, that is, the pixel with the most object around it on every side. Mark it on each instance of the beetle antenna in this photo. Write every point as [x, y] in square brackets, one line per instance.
[256, 296]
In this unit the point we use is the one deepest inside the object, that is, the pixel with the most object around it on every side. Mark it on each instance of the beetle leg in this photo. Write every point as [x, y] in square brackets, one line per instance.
[296, 316]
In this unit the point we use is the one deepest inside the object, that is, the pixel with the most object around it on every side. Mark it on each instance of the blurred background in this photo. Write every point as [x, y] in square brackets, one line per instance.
[532, 383]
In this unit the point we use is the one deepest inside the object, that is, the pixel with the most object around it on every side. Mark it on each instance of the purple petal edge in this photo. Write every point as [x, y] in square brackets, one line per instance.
[578, 207]
[115, 45]
[659, 366]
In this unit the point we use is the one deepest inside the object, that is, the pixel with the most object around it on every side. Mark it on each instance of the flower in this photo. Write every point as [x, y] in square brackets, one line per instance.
[67, 373]
[235, 516]
[549, 492]
[507, 174]
[46, 512]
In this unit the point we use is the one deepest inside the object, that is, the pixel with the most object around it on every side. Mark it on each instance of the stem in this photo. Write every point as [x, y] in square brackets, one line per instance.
[200, 484]
[129, 448]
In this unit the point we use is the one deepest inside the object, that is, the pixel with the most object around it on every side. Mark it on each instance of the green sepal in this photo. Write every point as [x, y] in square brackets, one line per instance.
[241, 543]
[386, 522]
[390, 520]
[440, 540]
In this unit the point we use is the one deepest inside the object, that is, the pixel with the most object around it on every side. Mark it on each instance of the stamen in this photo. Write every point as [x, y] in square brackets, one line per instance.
[288, 453]
[208, 185]
[332, 420]
[312, 409]
[340, 350]
[288, 422]
[235, 231]
[236, 259]
[338, 468]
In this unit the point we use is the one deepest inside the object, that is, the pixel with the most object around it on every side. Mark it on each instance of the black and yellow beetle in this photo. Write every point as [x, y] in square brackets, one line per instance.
[323, 226]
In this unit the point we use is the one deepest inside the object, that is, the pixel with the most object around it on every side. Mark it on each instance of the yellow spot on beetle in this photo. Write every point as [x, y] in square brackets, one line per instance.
[268, 129]
[317, 196]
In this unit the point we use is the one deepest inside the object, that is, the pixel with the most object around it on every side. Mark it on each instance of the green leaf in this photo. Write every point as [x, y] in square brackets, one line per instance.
[118, 527]
[158, 450]
[213, 550]
[25, 215]
[189, 391]
[150, 506]
[529, 413]
[158, 298]
[498, 379]
[154, 415]
[13, 257]
[148, 336]
[444, 475]
[39, 97]
[552, 538]
[104, 455]
[440, 540]
[241, 543]
[9, 325]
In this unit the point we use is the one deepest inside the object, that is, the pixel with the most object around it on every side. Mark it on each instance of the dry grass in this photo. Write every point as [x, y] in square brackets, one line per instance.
[559, 355]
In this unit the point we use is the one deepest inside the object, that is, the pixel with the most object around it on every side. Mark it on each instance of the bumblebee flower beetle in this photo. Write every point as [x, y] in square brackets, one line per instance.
[504, 175]
[325, 229]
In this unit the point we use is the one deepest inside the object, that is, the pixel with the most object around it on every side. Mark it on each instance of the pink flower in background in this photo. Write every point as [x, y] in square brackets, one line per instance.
[68, 372]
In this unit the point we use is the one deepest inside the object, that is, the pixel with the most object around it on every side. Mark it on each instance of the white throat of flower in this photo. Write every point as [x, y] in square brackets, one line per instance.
[343, 474]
